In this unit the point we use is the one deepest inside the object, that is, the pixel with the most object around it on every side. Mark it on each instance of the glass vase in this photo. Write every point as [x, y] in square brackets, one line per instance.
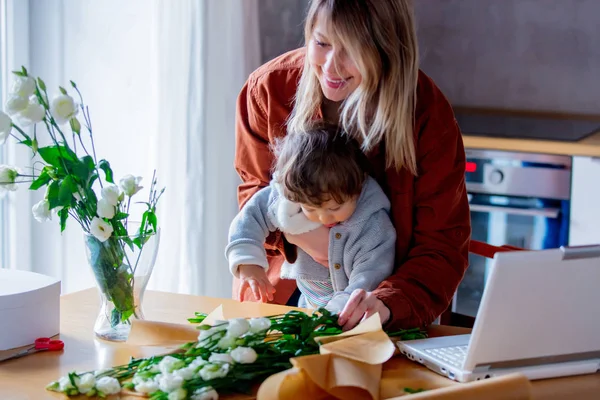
[122, 267]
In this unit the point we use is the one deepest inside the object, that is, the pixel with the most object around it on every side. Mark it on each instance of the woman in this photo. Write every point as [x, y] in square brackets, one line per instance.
[359, 69]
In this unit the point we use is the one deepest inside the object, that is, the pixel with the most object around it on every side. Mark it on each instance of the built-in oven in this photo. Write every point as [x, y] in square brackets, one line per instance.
[518, 199]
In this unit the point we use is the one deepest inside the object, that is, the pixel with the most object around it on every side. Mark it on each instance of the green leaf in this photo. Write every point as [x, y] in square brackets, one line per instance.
[19, 73]
[62, 90]
[73, 84]
[83, 169]
[27, 142]
[115, 317]
[66, 190]
[23, 70]
[121, 215]
[55, 155]
[105, 166]
[52, 194]
[152, 220]
[41, 84]
[63, 213]
[41, 180]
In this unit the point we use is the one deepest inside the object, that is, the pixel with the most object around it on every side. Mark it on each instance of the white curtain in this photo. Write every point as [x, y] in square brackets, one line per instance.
[205, 51]
[161, 80]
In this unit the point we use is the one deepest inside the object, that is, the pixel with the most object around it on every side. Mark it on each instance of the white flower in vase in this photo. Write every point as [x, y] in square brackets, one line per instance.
[15, 104]
[41, 211]
[130, 184]
[5, 127]
[63, 108]
[100, 229]
[105, 209]
[112, 194]
[8, 175]
[33, 113]
[23, 86]
[108, 385]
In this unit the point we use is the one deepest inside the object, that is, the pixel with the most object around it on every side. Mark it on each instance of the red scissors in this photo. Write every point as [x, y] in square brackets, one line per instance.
[40, 344]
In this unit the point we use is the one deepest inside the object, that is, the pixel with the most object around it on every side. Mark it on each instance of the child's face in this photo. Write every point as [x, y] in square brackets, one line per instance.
[331, 212]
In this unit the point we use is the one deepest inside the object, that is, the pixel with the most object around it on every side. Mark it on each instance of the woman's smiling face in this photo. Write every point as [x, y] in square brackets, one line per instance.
[337, 73]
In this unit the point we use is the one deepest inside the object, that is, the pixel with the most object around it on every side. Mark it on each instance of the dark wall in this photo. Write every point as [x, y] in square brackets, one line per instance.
[514, 54]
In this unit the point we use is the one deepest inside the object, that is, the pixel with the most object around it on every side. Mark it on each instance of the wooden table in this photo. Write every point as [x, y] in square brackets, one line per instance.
[26, 378]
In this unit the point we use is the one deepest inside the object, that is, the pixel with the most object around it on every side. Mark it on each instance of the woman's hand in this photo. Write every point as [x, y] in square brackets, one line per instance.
[315, 243]
[255, 277]
[361, 305]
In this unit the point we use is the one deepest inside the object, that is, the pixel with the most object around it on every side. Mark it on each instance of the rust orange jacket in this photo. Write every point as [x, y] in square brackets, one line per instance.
[430, 211]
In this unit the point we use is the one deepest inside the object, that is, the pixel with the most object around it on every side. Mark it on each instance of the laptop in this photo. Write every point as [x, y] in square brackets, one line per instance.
[539, 315]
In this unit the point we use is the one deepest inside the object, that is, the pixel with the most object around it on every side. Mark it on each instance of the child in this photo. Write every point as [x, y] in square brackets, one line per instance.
[319, 179]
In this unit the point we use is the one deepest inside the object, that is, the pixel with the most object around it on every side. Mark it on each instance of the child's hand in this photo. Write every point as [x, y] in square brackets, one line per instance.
[255, 277]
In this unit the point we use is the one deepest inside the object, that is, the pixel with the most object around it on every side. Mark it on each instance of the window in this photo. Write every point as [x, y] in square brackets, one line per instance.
[3, 80]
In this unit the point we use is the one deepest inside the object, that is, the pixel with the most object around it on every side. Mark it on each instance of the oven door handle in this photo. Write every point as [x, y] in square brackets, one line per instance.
[529, 212]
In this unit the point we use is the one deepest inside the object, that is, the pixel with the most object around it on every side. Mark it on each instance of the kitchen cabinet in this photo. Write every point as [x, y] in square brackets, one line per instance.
[584, 224]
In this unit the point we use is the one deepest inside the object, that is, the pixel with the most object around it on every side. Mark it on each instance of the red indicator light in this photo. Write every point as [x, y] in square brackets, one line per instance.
[470, 166]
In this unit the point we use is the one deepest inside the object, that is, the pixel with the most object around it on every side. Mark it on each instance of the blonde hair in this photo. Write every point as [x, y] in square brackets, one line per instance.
[379, 36]
[318, 165]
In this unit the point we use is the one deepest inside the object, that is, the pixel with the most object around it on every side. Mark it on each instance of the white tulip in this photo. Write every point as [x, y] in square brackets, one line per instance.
[149, 386]
[41, 211]
[259, 324]
[213, 371]
[85, 383]
[111, 193]
[220, 358]
[108, 385]
[23, 86]
[100, 229]
[169, 364]
[104, 209]
[63, 108]
[15, 104]
[130, 184]
[33, 113]
[205, 393]
[244, 355]
[5, 127]
[7, 178]
[237, 327]
[169, 383]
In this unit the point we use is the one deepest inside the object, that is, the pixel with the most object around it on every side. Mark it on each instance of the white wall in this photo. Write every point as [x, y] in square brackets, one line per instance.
[107, 48]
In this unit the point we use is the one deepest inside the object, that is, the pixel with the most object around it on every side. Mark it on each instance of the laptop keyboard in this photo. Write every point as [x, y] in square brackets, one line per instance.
[454, 355]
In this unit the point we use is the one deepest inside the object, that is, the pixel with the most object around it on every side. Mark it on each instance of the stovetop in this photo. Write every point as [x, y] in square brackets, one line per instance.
[525, 127]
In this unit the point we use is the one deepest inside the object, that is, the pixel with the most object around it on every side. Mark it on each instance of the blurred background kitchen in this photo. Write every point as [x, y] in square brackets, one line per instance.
[162, 78]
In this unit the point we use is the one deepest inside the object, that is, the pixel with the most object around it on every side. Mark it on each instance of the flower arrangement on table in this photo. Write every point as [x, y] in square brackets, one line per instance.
[67, 167]
[228, 356]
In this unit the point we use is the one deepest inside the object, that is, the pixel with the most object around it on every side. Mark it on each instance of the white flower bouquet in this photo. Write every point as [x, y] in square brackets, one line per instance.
[67, 167]
[229, 356]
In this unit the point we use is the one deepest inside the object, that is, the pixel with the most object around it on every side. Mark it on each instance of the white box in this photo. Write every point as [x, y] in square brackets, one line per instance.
[29, 307]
